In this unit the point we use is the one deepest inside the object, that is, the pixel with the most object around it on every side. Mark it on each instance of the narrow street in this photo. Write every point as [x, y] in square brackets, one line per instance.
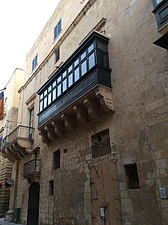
[2, 222]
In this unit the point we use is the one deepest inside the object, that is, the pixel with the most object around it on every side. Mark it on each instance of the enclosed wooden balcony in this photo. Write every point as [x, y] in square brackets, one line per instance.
[32, 169]
[80, 91]
[161, 14]
[18, 143]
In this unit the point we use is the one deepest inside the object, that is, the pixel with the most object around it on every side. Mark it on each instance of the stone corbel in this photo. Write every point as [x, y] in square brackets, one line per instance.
[92, 108]
[81, 114]
[69, 122]
[11, 156]
[19, 149]
[58, 128]
[16, 151]
[105, 97]
[44, 137]
[50, 132]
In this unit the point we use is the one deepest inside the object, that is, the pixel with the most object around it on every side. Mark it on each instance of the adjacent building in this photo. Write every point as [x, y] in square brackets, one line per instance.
[91, 143]
[8, 122]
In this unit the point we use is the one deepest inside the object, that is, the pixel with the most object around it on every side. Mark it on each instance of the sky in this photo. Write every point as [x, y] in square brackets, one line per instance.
[20, 24]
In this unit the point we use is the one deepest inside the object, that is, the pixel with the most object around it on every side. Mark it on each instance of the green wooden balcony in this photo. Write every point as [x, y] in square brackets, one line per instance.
[80, 91]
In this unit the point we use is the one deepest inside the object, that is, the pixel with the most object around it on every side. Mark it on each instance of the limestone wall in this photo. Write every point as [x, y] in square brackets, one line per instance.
[138, 128]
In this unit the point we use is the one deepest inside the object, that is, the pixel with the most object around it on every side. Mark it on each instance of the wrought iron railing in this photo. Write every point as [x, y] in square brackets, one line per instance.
[22, 132]
[32, 168]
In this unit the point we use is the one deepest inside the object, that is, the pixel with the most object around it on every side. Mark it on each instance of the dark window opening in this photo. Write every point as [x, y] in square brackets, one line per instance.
[56, 159]
[34, 62]
[57, 29]
[51, 187]
[57, 54]
[101, 144]
[31, 123]
[132, 176]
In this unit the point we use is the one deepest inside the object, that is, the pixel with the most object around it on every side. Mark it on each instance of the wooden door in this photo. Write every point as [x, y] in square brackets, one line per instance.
[105, 194]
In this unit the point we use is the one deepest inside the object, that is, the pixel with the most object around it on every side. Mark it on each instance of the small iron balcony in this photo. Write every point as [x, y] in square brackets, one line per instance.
[32, 168]
[18, 143]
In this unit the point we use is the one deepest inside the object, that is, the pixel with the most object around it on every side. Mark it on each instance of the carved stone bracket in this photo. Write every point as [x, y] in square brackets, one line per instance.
[92, 108]
[105, 97]
[59, 128]
[50, 132]
[10, 156]
[44, 137]
[68, 121]
[81, 113]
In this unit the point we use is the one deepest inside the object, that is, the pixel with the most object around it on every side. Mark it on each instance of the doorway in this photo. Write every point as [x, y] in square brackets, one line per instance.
[105, 194]
[33, 204]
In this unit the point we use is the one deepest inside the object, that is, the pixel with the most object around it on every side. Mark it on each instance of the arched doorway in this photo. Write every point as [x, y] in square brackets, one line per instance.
[33, 204]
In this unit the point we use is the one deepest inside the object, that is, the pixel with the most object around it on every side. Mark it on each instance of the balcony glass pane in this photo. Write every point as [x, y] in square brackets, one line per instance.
[58, 79]
[76, 62]
[49, 98]
[64, 74]
[70, 69]
[45, 93]
[41, 106]
[83, 55]
[70, 80]
[41, 96]
[49, 89]
[158, 1]
[54, 94]
[77, 74]
[59, 90]
[90, 48]
[64, 85]
[54, 84]
[91, 60]
[83, 67]
[45, 102]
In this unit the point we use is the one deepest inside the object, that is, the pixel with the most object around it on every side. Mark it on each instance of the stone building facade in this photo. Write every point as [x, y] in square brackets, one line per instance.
[7, 125]
[92, 148]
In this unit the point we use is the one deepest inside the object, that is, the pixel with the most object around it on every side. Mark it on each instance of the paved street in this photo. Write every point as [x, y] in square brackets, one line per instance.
[2, 222]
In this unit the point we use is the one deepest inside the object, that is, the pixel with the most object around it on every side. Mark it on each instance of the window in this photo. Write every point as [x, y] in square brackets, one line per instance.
[57, 29]
[57, 54]
[132, 176]
[156, 2]
[51, 187]
[34, 63]
[0, 142]
[31, 123]
[56, 159]
[101, 144]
